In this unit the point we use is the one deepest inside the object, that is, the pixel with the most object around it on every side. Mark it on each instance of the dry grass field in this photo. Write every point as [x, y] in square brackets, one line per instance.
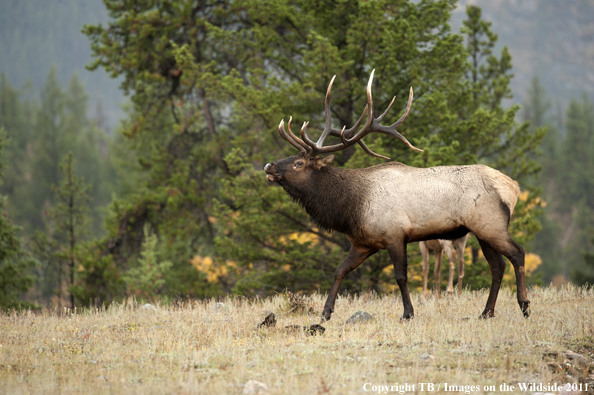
[203, 348]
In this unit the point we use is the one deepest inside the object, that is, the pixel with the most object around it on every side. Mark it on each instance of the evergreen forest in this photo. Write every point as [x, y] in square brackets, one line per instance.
[169, 200]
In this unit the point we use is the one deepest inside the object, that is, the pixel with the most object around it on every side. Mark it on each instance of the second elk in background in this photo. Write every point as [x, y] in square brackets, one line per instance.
[451, 248]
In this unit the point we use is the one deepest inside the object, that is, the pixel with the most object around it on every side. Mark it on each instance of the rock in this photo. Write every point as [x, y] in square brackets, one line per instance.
[268, 322]
[426, 357]
[578, 359]
[254, 387]
[219, 306]
[359, 316]
[314, 329]
[148, 307]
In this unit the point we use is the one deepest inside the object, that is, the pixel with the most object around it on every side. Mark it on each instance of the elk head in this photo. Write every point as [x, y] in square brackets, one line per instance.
[296, 168]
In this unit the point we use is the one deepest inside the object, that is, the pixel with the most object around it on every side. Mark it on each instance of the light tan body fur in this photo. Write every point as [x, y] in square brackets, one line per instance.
[415, 203]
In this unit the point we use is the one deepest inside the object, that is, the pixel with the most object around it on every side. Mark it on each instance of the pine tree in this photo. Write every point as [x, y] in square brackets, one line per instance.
[15, 264]
[170, 150]
[211, 80]
[147, 278]
[67, 227]
[577, 185]
[585, 274]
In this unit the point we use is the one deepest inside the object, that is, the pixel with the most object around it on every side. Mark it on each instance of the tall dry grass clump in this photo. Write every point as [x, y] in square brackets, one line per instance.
[203, 347]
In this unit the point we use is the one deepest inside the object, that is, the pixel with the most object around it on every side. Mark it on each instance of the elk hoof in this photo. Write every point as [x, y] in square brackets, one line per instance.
[525, 307]
[487, 314]
[407, 316]
[326, 314]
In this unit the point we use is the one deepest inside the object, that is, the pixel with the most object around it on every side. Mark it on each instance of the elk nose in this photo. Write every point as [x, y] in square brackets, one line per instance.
[267, 166]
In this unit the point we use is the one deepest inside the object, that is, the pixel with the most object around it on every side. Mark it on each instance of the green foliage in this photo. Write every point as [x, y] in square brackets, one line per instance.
[98, 279]
[577, 183]
[209, 82]
[566, 179]
[585, 274]
[280, 248]
[15, 263]
[66, 227]
[41, 136]
[147, 278]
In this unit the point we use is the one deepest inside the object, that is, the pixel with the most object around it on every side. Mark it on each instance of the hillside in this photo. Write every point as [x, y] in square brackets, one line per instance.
[38, 34]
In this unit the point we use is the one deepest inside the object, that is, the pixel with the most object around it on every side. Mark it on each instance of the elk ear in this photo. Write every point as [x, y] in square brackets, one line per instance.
[325, 161]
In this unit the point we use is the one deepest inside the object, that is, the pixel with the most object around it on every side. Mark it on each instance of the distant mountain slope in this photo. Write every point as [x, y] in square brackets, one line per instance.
[36, 34]
[549, 38]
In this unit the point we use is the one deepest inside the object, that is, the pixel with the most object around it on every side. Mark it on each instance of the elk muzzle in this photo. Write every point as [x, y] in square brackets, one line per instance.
[270, 170]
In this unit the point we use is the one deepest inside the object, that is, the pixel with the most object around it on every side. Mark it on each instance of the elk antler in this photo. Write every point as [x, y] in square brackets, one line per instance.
[310, 148]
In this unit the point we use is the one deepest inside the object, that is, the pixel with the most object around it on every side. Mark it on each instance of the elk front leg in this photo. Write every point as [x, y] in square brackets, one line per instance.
[399, 260]
[355, 257]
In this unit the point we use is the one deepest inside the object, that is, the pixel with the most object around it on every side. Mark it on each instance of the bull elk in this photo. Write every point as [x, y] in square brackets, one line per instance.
[389, 205]
[451, 249]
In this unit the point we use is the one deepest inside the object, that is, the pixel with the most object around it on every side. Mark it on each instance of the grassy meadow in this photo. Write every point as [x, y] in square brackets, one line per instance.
[202, 347]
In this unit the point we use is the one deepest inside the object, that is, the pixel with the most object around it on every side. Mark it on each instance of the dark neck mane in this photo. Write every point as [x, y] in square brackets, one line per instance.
[333, 198]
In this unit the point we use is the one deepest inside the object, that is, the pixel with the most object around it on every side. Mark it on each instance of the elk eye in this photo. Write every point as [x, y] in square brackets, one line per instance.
[298, 164]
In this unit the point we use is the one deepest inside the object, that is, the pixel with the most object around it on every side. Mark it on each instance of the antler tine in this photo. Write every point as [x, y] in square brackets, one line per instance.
[284, 135]
[408, 106]
[350, 131]
[295, 138]
[327, 127]
[312, 146]
[342, 136]
[362, 144]
[387, 109]
[370, 152]
[369, 101]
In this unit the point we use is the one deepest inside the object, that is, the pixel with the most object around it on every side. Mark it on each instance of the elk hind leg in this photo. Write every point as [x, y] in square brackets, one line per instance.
[460, 250]
[425, 255]
[497, 266]
[437, 271]
[452, 263]
[355, 257]
[516, 255]
[399, 260]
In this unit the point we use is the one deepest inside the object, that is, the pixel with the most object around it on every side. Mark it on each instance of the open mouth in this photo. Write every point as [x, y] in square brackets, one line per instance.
[269, 175]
